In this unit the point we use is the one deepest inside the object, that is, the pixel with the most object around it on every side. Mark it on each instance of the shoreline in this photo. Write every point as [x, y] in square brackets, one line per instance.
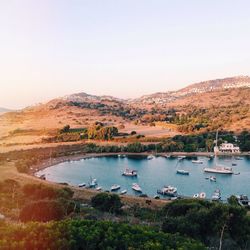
[54, 161]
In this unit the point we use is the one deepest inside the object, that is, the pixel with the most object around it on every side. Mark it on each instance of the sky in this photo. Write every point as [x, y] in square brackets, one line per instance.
[124, 48]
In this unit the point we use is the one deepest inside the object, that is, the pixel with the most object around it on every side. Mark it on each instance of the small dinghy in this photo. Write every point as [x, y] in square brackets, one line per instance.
[115, 187]
[124, 191]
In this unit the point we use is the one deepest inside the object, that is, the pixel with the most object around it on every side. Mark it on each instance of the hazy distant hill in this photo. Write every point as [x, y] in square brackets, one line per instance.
[4, 110]
[223, 103]
[201, 87]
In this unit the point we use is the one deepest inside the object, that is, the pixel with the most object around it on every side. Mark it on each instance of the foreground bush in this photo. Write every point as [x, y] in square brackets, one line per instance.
[87, 235]
[107, 202]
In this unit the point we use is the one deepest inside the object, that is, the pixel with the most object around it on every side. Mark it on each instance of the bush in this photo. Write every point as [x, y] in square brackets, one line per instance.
[107, 202]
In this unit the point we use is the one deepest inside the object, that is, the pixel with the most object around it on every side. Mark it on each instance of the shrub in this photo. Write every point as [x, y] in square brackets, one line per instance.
[107, 202]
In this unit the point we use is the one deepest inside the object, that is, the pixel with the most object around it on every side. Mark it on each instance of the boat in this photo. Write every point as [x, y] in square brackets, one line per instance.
[243, 200]
[238, 158]
[121, 156]
[82, 185]
[136, 187]
[157, 197]
[168, 190]
[92, 183]
[234, 164]
[98, 188]
[182, 171]
[115, 187]
[219, 170]
[212, 178]
[196, 196]
[202, 195]
[167, 156]
[124, 191]
[181, 157]
[197, 161]
[150, 157]
[216, 195]
[129, 172]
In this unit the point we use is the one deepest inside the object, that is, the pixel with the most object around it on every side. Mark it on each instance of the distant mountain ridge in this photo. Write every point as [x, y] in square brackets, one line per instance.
[4, 110]
[201, 87]
[84, 97]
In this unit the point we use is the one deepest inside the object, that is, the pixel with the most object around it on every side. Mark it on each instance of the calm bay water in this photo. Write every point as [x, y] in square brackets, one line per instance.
[154, 174]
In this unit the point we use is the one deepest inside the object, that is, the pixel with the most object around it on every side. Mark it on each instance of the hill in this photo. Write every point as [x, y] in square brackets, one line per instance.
[4, 110]
[193, 89]
[200, 107]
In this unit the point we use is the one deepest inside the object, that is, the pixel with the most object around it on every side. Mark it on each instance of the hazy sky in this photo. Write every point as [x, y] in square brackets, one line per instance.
[126, 48]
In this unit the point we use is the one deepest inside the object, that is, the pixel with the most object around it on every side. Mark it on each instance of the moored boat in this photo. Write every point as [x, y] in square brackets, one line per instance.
[150, 157]
[92, 183]
[115, 187]
[130, 173]
[182, 171]
[219, 170]
[181, 157]
[168, 190]
[98, 188]
[136, 187]
[196, 196]
[216, 195]
[82, 185]
[197, 161]
[212, 178]
[124, 191]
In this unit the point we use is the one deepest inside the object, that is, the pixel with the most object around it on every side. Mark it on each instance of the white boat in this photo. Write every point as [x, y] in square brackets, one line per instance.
[129, 172]
[219, 170]
[202, 195]
[182, 171]
[216, 195]
[124, 191]
[197, 161]
[82, 185]
[168, 190]
[98, 188]
[136, 187]
[115, 187]
[212, 178]
[92, 183]
[181, 157]
[167, 156]
[196, 196]
[150, 157]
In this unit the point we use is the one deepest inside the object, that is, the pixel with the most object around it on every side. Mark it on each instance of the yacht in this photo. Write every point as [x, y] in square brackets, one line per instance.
[136, 187]
[168, 190]
[197, 161]
[115, 187]
[129, 172]
[219, 170]
[182, 171]
[216, 195]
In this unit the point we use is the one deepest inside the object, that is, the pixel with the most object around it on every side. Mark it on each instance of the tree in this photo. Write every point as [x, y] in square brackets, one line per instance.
[107, 202]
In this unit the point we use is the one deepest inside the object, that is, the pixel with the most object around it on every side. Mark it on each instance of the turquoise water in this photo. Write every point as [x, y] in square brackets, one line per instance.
[154, 174]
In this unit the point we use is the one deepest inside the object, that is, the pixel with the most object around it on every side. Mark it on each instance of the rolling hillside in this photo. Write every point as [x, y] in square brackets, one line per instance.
[204, 106]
